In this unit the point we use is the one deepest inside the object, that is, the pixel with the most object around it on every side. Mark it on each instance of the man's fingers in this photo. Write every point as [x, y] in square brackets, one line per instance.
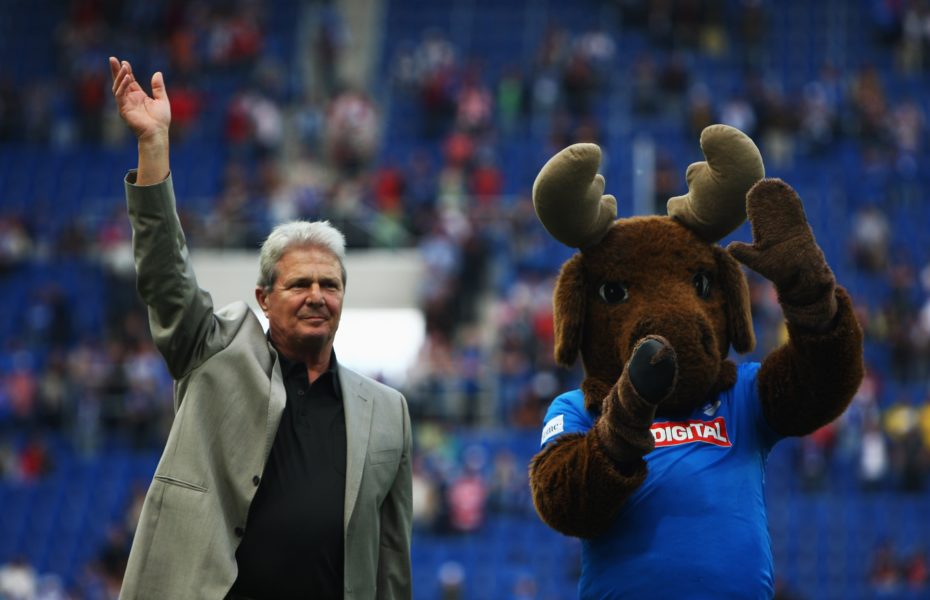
[122, 76]
[119, 81]
[114, 69]
[158, 87]
[122, 84]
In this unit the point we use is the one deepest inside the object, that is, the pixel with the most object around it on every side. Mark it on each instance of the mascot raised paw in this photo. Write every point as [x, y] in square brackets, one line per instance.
[657, 461]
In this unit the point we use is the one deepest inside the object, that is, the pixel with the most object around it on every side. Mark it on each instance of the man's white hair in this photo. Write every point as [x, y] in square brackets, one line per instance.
[318, 234]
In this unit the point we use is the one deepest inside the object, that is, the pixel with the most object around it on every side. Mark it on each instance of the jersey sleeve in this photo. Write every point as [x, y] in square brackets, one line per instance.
[566, 415]
[749, 380]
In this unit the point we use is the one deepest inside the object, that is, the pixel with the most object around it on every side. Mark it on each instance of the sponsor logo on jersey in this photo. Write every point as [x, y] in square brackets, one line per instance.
[691, 432]
[555, 426]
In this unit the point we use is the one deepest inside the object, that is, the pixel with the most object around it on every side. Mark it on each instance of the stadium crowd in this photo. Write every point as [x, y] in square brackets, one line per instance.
[290, 153]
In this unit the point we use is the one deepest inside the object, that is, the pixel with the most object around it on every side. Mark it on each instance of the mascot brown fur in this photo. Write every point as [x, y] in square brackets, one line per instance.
[653, 305]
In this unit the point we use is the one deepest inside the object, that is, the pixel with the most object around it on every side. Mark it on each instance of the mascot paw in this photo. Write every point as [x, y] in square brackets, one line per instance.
[653, 368]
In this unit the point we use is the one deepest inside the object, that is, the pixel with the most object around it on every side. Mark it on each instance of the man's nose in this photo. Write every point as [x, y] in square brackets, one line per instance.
[315, 294]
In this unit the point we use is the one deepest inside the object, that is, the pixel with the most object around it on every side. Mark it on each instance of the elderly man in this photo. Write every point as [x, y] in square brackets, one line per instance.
[285, 474]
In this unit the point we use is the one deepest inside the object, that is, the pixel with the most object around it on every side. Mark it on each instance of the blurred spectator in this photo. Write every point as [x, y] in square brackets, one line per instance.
[908, 124]
[35, 460]
[668, 182]
[579, 84]
[352, 130]
[331, 41]
[425, 496]
[816, 451]
[884, 572]
[16, 244]
[185, 109]
[700, 109]
[234, 37]
[114, 556]
[870, 240]
[507, 486]
[525, 587]
[389, 188]
[916, 570]
[9, 469]
[738, 112]
[90, 87]
[434, 62]
[442, 259]
[474, 104]
[909, 456]
[467, 494]
[53, 393]
[17, 580]
[873, 461]
[645, 82]
[451, 577]
[510, 99]
[870, 107]
[19, 389]
[914, 45]
[254, 124]
[753, 31]
[674, 81]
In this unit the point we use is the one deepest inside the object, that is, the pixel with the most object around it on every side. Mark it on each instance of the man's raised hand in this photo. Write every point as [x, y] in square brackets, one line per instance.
[147, 116]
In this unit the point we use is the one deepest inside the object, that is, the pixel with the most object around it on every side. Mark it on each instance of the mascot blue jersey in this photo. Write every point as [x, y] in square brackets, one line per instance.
[696, 528]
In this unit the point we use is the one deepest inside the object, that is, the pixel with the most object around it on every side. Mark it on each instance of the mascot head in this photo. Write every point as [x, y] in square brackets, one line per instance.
[653, 275]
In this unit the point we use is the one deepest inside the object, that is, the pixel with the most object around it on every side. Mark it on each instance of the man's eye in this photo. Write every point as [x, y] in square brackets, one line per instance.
[701, 281]
[613, 292]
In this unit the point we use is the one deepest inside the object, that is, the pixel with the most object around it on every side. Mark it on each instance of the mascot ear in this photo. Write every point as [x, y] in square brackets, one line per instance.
[736, 292]
[569, 310]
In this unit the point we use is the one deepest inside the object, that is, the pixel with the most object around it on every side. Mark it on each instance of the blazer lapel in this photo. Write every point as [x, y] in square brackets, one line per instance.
[277, 398]
[357, 405]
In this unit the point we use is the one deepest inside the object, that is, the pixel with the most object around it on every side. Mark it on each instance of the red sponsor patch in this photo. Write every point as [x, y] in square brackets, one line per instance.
[689, 432]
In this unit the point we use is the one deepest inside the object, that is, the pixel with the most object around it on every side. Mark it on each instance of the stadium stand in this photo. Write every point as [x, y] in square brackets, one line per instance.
[438, 153]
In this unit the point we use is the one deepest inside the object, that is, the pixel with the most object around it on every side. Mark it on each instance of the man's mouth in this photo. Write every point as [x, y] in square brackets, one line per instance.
[313, 317]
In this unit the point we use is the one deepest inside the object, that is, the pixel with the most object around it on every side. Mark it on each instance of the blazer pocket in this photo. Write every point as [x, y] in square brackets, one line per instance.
[384, 456]
[181, 483]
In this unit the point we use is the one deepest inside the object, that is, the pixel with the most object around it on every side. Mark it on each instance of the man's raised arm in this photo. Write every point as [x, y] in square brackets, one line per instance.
[180, 313]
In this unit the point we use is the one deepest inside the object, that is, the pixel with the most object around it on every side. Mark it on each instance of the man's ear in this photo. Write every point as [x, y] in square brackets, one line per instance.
[736, 292]
[261, 296]
[569, 308]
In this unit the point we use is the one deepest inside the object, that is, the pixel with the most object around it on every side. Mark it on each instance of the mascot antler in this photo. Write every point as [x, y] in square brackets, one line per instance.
[569, 201]
[569, 175]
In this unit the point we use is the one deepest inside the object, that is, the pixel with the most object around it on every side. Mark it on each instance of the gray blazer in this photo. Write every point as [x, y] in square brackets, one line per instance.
[228, 399]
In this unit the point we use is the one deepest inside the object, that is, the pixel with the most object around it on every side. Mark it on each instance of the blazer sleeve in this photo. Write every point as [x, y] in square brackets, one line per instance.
[180, 313]
[394, 570]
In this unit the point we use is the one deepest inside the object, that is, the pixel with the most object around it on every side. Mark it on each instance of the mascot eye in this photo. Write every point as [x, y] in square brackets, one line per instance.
[613, 292]
[701, 281]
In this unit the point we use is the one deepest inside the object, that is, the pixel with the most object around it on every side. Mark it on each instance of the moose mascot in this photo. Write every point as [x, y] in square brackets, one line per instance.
[657, 462]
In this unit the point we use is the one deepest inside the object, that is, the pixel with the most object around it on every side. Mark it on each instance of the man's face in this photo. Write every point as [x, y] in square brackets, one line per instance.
[305, 303]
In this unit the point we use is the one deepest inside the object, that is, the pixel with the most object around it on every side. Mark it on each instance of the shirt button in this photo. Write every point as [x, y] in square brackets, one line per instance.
[300, 392]
[256, 480]
[239, 531]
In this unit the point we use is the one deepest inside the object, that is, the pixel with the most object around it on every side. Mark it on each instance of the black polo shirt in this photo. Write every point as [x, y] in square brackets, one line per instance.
[292, 546]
